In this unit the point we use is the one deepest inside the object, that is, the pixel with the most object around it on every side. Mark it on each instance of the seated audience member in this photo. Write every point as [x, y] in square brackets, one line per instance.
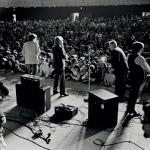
[20, 58]
[81, 61]
[102, 65]
[49, 58]
[44, 69]
[6, 61]
[109, 77]
[17, 66]
[74, 62]
[3, 62]
[84, 74]
[92, 73]
[75, 75]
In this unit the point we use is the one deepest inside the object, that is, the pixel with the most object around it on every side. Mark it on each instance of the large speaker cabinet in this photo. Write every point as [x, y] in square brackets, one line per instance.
[38, 99]
[102, 109]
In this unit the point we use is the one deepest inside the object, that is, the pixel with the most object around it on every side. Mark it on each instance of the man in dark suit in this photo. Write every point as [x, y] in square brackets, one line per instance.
[120, 66]
[59, 57]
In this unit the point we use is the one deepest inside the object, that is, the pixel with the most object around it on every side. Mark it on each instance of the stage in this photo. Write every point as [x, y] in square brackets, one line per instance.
[73, 134]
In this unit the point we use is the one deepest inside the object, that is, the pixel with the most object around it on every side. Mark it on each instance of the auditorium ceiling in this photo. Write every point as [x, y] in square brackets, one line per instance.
[63, 3]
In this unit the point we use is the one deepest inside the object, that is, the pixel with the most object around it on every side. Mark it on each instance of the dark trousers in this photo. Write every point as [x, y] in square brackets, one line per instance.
[133, 96]
[120, 84]
[32, 68]
[59, 75]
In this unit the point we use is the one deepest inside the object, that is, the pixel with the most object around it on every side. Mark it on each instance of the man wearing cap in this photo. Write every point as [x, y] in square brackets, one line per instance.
[31, 51]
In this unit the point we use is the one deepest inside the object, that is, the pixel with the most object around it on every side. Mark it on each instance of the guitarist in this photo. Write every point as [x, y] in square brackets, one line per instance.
[138, 68]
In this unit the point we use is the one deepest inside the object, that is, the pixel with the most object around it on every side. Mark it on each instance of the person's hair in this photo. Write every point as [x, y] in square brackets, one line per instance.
[59, 41]
[137, 46]
[78, 67]
[32, 36]
[43, 54]
[92, 67]
[113, 42]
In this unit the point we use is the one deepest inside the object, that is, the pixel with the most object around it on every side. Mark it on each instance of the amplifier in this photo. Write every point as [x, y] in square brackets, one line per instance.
[102, 109]
[38, 99]
[65, 112]
[32, 81]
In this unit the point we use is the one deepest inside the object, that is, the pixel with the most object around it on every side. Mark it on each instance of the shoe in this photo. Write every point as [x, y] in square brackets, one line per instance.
[127, 119]
[134, 114]
[64, 94]
[55, 92]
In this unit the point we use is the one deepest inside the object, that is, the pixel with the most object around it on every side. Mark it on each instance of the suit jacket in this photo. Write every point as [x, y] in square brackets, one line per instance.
[119, 61]
[59, 57]
[31, 51]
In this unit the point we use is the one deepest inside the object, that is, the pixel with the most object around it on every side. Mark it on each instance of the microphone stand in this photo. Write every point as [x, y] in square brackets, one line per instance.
[89, 77]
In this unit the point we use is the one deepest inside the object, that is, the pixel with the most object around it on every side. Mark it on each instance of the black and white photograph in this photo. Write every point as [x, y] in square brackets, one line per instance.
[74, 74]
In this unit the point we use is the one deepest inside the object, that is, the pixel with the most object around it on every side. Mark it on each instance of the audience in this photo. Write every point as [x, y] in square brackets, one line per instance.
[78, 36]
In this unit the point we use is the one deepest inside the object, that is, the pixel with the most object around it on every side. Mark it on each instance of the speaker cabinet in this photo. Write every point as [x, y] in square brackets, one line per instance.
[102, 109]
[32, 80]
[38, 99]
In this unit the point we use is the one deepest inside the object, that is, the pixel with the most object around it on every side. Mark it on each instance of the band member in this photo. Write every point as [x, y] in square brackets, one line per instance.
[138, 68]
[59, 57]
[120, 66]
[31, 51]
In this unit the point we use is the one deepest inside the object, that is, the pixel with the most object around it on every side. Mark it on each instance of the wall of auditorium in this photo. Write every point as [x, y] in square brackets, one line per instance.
[64, 12]
[64, 3]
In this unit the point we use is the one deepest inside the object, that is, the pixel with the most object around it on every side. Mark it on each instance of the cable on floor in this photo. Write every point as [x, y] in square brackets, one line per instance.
[27, 139]
[101, 143]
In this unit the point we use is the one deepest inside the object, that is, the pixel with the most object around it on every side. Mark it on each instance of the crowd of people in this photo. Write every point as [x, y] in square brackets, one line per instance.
[85, 42]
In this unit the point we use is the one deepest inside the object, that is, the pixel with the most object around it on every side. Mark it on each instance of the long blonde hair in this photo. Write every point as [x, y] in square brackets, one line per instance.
[59, 41]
